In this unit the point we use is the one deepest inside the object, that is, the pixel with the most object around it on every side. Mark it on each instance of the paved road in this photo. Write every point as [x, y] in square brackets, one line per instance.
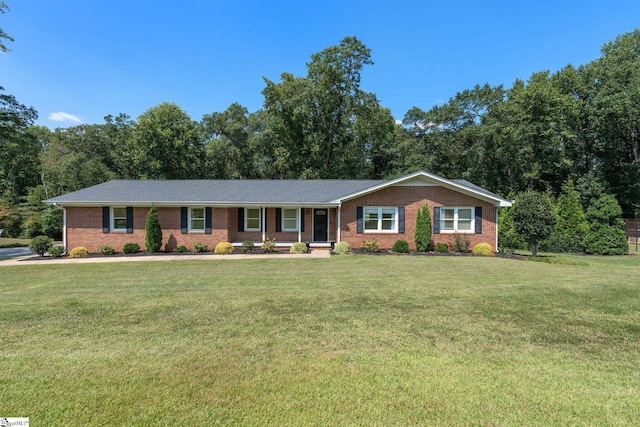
[6, 253]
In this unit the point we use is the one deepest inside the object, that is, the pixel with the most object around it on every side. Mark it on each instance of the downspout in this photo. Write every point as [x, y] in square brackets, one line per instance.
[264, 235]
[497, 212]
[339, 223]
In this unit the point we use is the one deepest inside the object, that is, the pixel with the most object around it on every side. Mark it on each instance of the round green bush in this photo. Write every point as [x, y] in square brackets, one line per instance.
[224, 248]
[40, 245]
[483, 249]
[56, 251]
[106, 250]
[131, 248]
[180, 249]
[342, 248]
[247, 247]
[79, 252]
[298, 248]
[442, 247]
[200, 247]
[401, 247]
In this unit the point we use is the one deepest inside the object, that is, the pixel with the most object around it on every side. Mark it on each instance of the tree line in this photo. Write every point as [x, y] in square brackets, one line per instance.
[580, 124]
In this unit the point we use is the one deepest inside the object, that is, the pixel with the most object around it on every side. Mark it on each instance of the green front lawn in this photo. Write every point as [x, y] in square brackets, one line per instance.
[356, 340]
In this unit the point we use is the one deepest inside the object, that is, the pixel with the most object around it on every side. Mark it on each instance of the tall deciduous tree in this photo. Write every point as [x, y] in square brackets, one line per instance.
[166, 144]
[533, 218]
[325, 125]
[3, 48]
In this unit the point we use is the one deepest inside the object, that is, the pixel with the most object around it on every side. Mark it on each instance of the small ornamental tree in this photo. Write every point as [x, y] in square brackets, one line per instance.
[153, 231]
[422, 235]
[606, 228]
[533, 218]
[572, 226]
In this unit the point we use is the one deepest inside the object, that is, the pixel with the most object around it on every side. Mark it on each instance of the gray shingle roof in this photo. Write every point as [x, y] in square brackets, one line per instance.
[265, 192]
[221, 192]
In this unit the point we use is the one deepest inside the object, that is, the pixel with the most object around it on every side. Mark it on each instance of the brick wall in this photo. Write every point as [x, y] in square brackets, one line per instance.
[84, 228]
[413, 198]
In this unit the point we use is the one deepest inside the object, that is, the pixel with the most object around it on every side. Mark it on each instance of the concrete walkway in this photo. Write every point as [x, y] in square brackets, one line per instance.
[317, 253]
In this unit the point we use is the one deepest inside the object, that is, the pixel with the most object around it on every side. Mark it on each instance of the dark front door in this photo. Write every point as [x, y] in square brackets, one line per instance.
[320, 225]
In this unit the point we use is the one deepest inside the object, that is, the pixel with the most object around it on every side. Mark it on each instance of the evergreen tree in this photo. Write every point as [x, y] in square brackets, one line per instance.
[422, 234]
[508, 239]
[572, 225]
[153, 231]
[606, 228]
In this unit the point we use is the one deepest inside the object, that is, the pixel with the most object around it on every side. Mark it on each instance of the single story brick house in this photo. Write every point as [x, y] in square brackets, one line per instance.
[318, 212]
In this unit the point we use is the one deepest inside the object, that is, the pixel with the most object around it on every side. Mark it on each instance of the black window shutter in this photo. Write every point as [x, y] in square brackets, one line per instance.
[478, 219]
[240, 219]
[207, 220]
[436, 220]
[265, 219]
[401, 219]
[129, 220]
[278, 220]
[302, 220]
[106, 221]
[359, 220]
[184, 218]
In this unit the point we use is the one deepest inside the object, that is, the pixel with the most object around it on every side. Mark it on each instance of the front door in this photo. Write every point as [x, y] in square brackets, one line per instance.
[320, 225]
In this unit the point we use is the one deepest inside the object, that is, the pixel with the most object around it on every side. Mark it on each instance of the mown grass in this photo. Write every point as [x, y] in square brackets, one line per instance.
[359, 340]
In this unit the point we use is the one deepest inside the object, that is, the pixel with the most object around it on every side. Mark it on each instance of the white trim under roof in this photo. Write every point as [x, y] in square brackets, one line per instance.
[411, 179]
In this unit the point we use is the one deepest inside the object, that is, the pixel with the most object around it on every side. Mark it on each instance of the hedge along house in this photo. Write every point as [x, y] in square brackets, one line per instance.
[318, 212]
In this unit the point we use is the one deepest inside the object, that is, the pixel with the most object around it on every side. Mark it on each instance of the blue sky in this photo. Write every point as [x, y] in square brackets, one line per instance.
[79, 60]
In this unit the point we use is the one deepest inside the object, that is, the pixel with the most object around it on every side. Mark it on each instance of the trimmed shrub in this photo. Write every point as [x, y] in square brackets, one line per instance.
[40, 245]
[370, 246]
[342, 248]
[224, 248]
[298, 248]
[56, 251]
[180, 249]
[269, 245]
[247, 247]
[606, 228]
[461, 243]
[422, 235]
[401, 247]
[106, 250]
[483, 249]
[442, 247]
[79, 252]
[153, 231]
[131, 248]
[200, 247]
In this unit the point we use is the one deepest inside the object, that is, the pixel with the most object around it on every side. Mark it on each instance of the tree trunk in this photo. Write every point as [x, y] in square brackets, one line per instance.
[534, 249]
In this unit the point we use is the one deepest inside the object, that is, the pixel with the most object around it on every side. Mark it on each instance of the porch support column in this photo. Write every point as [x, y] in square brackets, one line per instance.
[264, 235]
[300, 213]
[64, 227]
[339, 224]
[497, 211]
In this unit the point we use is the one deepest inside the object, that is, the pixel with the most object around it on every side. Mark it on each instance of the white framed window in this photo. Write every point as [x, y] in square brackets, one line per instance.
[252, 219]
[290, 219]
[196, 219]
[381, 219]
[457, 220]
[119, 219]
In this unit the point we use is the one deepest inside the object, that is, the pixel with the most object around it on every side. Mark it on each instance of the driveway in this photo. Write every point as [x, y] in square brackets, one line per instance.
[8, 253]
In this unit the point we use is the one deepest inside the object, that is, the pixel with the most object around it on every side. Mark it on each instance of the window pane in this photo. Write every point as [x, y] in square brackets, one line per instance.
[119, 212]
[253, 223]
[371, 219]
[119, 223]
[253, 213]
[464, 225]
[197, 213]
[447, 214]
[447, 224]
[464, 214]
[197, 224]
[388, 219]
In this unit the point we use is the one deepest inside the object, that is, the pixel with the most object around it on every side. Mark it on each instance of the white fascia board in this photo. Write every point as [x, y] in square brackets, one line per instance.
[192, 203]
[496, 201]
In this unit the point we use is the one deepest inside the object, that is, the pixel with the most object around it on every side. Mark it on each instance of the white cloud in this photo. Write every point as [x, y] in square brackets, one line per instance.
[59, 116]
